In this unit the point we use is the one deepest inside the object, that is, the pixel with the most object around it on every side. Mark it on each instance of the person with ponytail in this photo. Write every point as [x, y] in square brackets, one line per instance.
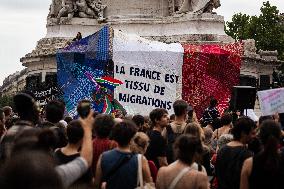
[265, 169]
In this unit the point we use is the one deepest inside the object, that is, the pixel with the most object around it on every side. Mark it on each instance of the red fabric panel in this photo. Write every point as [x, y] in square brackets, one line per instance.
[210, 71]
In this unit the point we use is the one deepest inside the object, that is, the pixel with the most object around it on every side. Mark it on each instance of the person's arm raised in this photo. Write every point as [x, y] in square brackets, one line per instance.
[87, 144]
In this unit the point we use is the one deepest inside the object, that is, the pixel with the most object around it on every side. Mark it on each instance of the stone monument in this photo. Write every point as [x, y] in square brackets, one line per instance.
[184, 21]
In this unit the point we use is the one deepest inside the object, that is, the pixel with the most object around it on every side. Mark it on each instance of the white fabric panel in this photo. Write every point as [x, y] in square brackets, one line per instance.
[132, 53]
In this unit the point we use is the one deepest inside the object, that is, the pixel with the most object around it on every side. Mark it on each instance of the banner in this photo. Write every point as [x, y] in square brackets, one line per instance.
[150, 72]
[271, 101]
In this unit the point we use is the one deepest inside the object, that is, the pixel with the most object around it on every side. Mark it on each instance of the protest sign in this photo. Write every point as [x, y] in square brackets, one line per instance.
[271, 101]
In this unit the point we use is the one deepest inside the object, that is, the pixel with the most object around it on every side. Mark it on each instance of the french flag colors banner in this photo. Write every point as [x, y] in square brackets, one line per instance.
[115, 70]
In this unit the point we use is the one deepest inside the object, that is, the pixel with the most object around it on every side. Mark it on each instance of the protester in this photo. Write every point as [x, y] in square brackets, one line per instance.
[158, 147]
[102, 126]
[118, 167]
[226, 126]
[181, 174]
[71, 151]
[230, 158]
[204, 157]
[210, 113]
[175, 128]
[139, 145]
[28, 112]
[265, 169]
[140, 122]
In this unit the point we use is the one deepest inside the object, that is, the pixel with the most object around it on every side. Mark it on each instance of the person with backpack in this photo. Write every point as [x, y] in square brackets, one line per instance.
[176, 128]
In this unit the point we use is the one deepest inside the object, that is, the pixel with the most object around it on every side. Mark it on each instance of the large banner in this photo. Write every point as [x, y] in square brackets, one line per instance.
[271, 101]
[150, 72]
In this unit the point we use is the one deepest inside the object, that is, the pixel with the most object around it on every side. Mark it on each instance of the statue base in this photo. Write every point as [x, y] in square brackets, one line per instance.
[178, 28]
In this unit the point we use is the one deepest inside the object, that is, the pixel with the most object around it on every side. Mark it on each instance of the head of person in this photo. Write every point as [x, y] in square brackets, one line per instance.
[223, 140]
[187, 147]
[172, 118]
[26, 107]
[31, 169]
[264, 118]
[226, 119]
[180, 108]
[74, 132]
[195, 130]
[140, 143]
[123, 132]
[208, 133]
[139, 121]
[68, 119]
[159, 117]
[54, 111]
[270, 134]
[8, 111]
[243, 129]
[213, 102]
[103, 125]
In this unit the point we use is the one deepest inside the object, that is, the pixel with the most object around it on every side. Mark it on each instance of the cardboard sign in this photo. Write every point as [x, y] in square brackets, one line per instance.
[271, 101]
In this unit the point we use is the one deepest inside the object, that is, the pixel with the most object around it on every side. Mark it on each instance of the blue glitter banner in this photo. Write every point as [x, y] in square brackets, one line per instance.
[78, 66]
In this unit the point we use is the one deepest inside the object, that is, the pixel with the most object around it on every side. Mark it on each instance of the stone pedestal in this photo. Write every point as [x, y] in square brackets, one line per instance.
[178, 28]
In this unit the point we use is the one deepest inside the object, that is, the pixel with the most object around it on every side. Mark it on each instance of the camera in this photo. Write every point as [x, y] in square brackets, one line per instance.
[84, 108]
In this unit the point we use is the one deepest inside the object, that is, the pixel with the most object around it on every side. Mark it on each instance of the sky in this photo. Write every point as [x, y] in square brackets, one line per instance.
[23, 23]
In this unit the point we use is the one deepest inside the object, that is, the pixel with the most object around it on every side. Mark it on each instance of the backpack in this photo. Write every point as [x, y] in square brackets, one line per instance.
[171, 137]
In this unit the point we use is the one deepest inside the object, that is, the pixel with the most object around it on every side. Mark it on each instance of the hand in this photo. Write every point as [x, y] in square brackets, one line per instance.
[87, 123]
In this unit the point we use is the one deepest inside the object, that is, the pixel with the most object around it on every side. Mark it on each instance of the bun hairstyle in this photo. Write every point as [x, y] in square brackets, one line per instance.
[139, 143]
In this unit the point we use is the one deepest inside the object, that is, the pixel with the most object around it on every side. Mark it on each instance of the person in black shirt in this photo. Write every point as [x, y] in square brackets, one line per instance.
[157, 147]
[266, 169]
[230, 158]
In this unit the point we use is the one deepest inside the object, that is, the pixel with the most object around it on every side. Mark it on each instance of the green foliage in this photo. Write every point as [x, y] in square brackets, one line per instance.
[6, 101]
[266, 29]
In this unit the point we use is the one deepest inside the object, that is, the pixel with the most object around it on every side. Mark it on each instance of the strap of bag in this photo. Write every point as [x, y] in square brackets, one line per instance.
[117, 166]
[177, 179]
[140, 172]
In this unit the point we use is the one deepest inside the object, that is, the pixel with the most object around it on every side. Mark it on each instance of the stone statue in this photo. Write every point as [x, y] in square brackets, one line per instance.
[76, 8]
[69, 7]
[98, 8]
[199, 6]
[84, 11]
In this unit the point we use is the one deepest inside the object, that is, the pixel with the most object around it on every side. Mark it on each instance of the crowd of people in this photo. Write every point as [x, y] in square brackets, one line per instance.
[141, 151]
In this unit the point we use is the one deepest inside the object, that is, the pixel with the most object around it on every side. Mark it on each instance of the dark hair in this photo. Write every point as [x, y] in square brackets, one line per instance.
[32, 169]
[213, 102]
[123, 132]
[138, 120]
[26, 107]
[68, 119]
[74, 132]
[243, 125]
[186, 147]
[35, 139]
[2, 116]
[54, 111]
[270, 134]
[172, 117]
[103, 125]
[180, 107]
[264, 118]
[157, 114]
[226, 119]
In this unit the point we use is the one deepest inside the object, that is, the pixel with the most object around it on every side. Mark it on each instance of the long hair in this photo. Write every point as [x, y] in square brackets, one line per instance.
[270, 134]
